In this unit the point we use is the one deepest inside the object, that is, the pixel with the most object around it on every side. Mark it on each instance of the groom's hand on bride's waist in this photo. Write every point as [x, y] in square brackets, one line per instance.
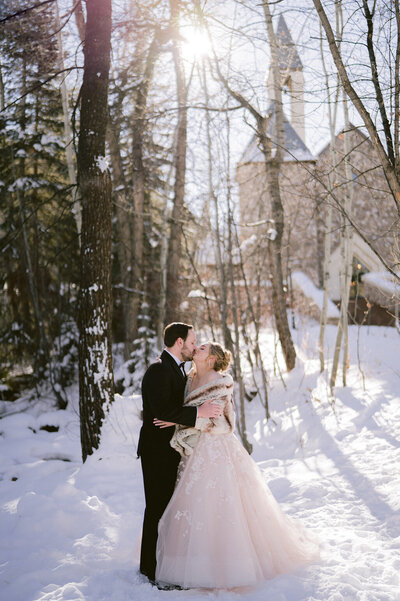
[207, 409]
[160, 423]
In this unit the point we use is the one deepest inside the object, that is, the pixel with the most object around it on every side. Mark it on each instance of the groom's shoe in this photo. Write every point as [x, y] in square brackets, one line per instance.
[147, 577]
[169, 587]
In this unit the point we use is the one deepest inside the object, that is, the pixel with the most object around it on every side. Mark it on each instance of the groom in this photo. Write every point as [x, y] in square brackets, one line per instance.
[163, 388]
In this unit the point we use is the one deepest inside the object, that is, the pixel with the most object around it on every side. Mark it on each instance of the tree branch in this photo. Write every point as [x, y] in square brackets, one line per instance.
[375, 79]
[40, 84]
[23, 11]
[387, 166]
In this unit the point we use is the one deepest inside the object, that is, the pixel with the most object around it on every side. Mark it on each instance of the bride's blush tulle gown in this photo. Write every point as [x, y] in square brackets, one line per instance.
[222, 527]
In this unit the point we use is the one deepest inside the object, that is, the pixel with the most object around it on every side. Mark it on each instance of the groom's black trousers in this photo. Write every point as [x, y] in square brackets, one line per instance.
[159, 475]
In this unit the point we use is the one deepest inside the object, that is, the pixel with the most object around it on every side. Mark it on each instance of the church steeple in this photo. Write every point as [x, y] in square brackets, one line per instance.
[292, 79]
[288, 56]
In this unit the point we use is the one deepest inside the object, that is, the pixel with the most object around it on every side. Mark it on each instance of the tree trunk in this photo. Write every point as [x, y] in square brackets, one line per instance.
[347, 259]
[162, 304]
[129, 204]
[223, 308]
[124, 214]
[273, 168]
[42, 354]
[79, 18]
[139, 184]
[69, 152]
[96, 386]
[235, 312]
[2, 100]
[165, 213]
[346, 236]
[332, 114]
[396, 91]
[348, 240]
[173, 297]
[275, 261]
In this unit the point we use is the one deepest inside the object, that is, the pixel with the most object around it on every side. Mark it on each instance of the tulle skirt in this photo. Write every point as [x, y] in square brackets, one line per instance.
[222, 527]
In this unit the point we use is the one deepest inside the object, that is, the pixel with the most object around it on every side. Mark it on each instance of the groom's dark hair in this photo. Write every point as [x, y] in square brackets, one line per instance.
[176, 330]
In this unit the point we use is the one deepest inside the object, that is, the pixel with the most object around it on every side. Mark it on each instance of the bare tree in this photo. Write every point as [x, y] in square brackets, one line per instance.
[173, 298]
[130, 203]
[273, 169]
[341, 192]
[385, 147]
[347, 259]
[272, 166]
[332, 116]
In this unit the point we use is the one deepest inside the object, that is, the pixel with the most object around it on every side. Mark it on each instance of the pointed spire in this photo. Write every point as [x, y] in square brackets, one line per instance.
[287, 53]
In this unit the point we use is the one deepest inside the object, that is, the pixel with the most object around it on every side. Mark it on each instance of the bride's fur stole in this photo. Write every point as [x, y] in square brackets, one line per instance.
[221, 391]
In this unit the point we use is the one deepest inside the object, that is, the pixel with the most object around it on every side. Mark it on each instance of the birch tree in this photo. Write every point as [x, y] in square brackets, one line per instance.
[69, 150]
[332, 117]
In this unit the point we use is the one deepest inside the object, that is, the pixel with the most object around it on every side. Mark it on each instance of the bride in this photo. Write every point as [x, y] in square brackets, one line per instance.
[222, 527]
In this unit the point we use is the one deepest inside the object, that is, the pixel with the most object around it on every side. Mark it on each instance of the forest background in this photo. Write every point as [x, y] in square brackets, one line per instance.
[121, 127]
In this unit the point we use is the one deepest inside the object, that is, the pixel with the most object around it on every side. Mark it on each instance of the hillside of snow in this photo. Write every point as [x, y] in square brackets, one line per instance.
[71, 532]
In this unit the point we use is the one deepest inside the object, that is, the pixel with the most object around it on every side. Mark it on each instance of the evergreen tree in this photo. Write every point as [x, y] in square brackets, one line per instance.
[38, 259]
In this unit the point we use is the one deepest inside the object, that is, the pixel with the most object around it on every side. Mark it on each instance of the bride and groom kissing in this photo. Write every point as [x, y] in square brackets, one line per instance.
[210, 519]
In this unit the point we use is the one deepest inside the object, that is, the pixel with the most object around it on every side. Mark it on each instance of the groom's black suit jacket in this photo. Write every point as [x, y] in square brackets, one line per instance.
[163, 388]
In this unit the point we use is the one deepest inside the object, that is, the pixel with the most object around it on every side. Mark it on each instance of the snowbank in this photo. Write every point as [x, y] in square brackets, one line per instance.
[303, 283]
[70, 532]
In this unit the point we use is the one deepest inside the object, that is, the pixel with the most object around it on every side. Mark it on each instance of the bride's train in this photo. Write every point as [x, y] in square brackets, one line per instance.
[222, 527]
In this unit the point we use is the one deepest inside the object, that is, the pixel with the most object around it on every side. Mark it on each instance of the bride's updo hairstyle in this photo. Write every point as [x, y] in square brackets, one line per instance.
[222, 357]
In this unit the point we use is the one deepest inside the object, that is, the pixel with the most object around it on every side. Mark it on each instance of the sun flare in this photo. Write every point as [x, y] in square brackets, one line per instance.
[197, 43]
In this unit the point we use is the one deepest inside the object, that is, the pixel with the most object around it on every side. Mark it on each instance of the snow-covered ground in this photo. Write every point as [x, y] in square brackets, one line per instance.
[71, 532]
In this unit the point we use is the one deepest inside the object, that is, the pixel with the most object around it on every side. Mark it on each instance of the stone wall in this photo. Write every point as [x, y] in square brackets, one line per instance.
[373, 208]
[305, 201]
[302, 247]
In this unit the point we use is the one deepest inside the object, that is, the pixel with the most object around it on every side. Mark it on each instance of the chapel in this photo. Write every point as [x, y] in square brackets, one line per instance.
[304, 181]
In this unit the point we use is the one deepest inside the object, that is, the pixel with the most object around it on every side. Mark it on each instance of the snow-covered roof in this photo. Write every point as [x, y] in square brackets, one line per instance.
[341, 132]
[301, 281]
[295, 149]
[384, 281]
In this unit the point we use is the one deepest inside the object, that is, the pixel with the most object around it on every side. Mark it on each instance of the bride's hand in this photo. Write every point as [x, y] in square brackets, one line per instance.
[160, 423]
[208, 410]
